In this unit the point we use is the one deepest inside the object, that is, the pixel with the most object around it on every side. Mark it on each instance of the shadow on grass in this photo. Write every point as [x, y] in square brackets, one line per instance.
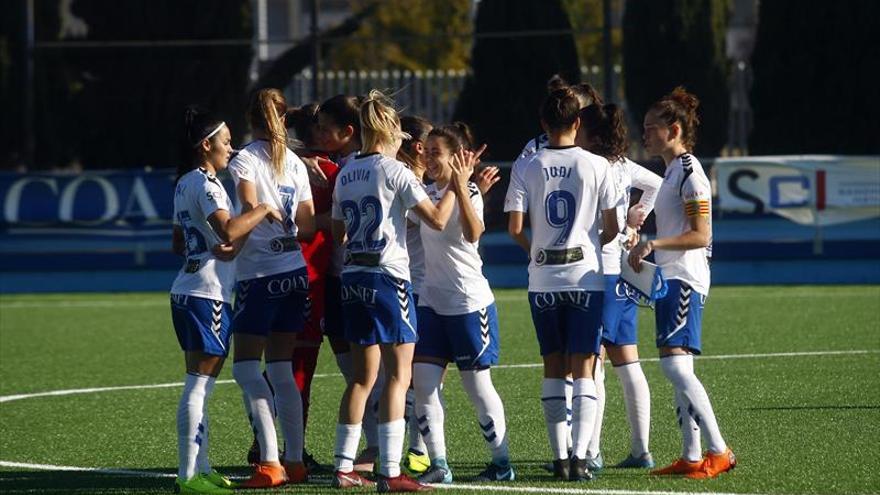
[811, 408]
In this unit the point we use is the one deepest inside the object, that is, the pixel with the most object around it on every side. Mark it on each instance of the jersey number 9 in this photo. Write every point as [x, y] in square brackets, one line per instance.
[559, 208]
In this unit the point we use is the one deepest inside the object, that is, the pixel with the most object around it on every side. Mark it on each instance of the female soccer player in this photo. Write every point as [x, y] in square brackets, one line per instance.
[202, 292]
[457, 317]
[272, 289]
[563, 189]
[603, 132]
[373, 192]
[684, 233]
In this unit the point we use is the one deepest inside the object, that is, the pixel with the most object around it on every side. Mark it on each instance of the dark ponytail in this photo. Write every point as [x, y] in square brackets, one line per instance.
[560, 109]
[197, 125]
[457, 135]
[605, 128]
[303, 120]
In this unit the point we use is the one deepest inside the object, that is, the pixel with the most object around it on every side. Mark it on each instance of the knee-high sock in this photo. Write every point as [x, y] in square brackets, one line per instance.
[490, 412]
[305, 360]
[637, 399]
[679, 370]
[371, 411]
[202, 462]
[261, 408]
[391, 447]
[583, 418]
[289, 408]
[343, 361]
[416, 442]
[599, 378]
[429, 408]
[553, 403]
[347, 438]
[190, 434]
[569, 390]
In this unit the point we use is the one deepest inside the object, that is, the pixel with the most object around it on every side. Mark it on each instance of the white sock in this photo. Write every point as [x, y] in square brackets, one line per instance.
[679, 369]
[391, 447]
[202, 462]
[347, 439]
[553, 402]
[189, 418]
[569, 387]
[343, 361]
[371, 411]
[416, 442]
[249, 377]
[583, 415]
[637, 398]
[691, 449]
[289, 408]
[429, 412]
[599, 378]
[490, 412]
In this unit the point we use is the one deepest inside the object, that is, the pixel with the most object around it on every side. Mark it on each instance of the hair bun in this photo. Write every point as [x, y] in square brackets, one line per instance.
[687, 100]
[555, 82]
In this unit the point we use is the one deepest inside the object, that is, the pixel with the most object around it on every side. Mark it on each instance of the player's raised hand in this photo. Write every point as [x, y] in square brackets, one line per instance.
[636, 216]
[486, 178]
[225, 251]
[316, 175]
[639, 253]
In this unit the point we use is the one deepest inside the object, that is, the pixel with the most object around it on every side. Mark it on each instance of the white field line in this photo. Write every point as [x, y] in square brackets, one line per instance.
[77, 391]
[110, 303]
[51, 467]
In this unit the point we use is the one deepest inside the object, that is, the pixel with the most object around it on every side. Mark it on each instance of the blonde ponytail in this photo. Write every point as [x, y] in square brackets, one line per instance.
[266, 110]
[380, 123]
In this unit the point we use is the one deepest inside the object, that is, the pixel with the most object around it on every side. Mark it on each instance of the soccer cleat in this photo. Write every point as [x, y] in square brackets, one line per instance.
[313, 466]
[218, 479]
[265, 476]
[595, 463]
[199, 484]
[679, 466]
[365, 460]
[349, 480]
[437, 473]
[494, 472]
[560, 469]
[714, 464]
[578, 471]
[415, 462]
[402, 483]
[296, 472]
[645, 461]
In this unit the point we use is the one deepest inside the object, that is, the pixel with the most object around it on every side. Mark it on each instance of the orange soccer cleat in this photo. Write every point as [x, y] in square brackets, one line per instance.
[714, 464]
[265, 476]
[679, 466]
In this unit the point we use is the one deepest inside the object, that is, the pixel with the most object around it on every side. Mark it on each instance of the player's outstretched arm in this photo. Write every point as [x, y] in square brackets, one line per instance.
[305, 220]
[437, 216]
[230, 229]
[610, 229]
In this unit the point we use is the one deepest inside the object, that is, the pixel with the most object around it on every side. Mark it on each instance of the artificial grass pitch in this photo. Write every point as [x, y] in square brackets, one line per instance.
[800, 406]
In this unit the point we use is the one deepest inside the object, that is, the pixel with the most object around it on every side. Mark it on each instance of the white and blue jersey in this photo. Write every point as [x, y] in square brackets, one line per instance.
[457, 317]
[620, 310]
[272, 289]
[202, 290]
[684, 194]
[537, 143]
[563, 190]
[372, 194]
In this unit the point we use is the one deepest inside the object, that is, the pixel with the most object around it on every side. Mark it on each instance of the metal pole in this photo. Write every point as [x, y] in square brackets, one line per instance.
[29, 118]
[608, 71]
[316, 51]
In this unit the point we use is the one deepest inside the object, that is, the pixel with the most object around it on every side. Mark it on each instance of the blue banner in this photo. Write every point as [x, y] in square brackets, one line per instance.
[95, 203]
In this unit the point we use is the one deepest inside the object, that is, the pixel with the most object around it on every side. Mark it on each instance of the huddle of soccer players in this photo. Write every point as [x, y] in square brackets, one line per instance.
[363, 251]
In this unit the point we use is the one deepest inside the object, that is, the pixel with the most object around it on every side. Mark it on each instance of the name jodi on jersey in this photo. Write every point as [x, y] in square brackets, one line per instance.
[554, 172]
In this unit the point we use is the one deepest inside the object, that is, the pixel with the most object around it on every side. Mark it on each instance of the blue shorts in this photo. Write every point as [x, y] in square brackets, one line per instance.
[333, 327]
[618, 314]
[471, 339]
[680, 316]
[568, 321]
[277, 303]
[378, 309]
[202, 324]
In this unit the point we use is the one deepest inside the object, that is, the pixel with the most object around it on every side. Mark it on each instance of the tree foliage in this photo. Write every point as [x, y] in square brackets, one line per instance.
[403, 34]
[816, 75]
[501, 97]
[667, 43]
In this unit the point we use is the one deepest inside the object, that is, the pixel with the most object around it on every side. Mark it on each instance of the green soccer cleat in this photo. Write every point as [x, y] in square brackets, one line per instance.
[438, 473]
[645, 461]
[595, 464]
[218, 479]
[199, 485]
[416, 462]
